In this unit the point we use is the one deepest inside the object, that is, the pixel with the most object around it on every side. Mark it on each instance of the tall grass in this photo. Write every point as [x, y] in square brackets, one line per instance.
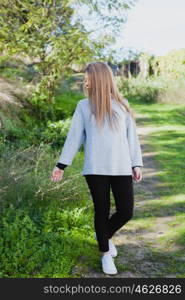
[153, 89]
[44, 225]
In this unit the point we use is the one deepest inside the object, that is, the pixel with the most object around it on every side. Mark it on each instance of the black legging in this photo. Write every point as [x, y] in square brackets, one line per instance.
[122, 189]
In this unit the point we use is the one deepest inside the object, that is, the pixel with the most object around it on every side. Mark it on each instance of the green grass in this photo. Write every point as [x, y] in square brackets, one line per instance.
[168, 142]
[47, 228]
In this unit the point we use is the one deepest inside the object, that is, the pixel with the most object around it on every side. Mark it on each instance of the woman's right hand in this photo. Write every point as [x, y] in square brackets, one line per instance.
[57, 174]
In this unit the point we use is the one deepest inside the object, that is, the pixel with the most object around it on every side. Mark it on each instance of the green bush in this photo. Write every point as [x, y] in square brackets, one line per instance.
[55, 132]
[139, 89]
[41, 222]
[21, 252]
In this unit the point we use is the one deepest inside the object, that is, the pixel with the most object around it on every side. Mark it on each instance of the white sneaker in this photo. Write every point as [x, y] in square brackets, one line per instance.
[112, 248]
[108, 265]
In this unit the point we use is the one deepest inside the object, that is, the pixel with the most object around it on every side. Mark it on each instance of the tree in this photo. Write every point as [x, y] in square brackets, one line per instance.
[48, 33]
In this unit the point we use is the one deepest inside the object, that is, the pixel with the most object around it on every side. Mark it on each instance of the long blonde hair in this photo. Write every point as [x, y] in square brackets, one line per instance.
[102, 87]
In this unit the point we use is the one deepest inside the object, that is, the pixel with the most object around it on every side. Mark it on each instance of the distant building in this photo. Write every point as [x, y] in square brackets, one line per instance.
[127, 68]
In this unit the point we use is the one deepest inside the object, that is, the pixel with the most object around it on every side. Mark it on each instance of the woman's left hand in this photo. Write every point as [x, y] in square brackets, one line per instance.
[137, 174]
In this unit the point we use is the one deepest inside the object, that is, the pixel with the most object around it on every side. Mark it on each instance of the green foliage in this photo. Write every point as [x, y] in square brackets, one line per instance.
[65, 220]
[28, 250]
[38, 31]
[14, 70]
[56, 131]
[172, 65]
[166, 84]
[40, 123]
[21, 249]
[13, 132]
[51, 38]
[142, 89]
[41, 222]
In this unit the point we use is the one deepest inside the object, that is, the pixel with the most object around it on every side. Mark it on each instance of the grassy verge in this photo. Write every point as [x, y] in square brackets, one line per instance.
[167, 142]
[45, 226]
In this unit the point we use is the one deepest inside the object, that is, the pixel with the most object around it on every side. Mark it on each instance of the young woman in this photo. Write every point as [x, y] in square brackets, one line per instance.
[104, 123]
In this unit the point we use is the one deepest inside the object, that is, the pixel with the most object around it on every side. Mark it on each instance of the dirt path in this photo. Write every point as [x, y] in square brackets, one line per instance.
[136, 244]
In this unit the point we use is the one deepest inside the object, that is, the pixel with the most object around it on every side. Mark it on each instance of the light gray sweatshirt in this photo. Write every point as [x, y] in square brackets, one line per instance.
[107, 152]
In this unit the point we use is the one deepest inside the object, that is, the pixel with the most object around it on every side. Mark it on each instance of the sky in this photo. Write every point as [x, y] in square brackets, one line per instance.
[154, 26]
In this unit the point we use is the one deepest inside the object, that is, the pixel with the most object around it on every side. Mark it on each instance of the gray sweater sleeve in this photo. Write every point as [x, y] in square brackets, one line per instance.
[133, 141]
[75, 137]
